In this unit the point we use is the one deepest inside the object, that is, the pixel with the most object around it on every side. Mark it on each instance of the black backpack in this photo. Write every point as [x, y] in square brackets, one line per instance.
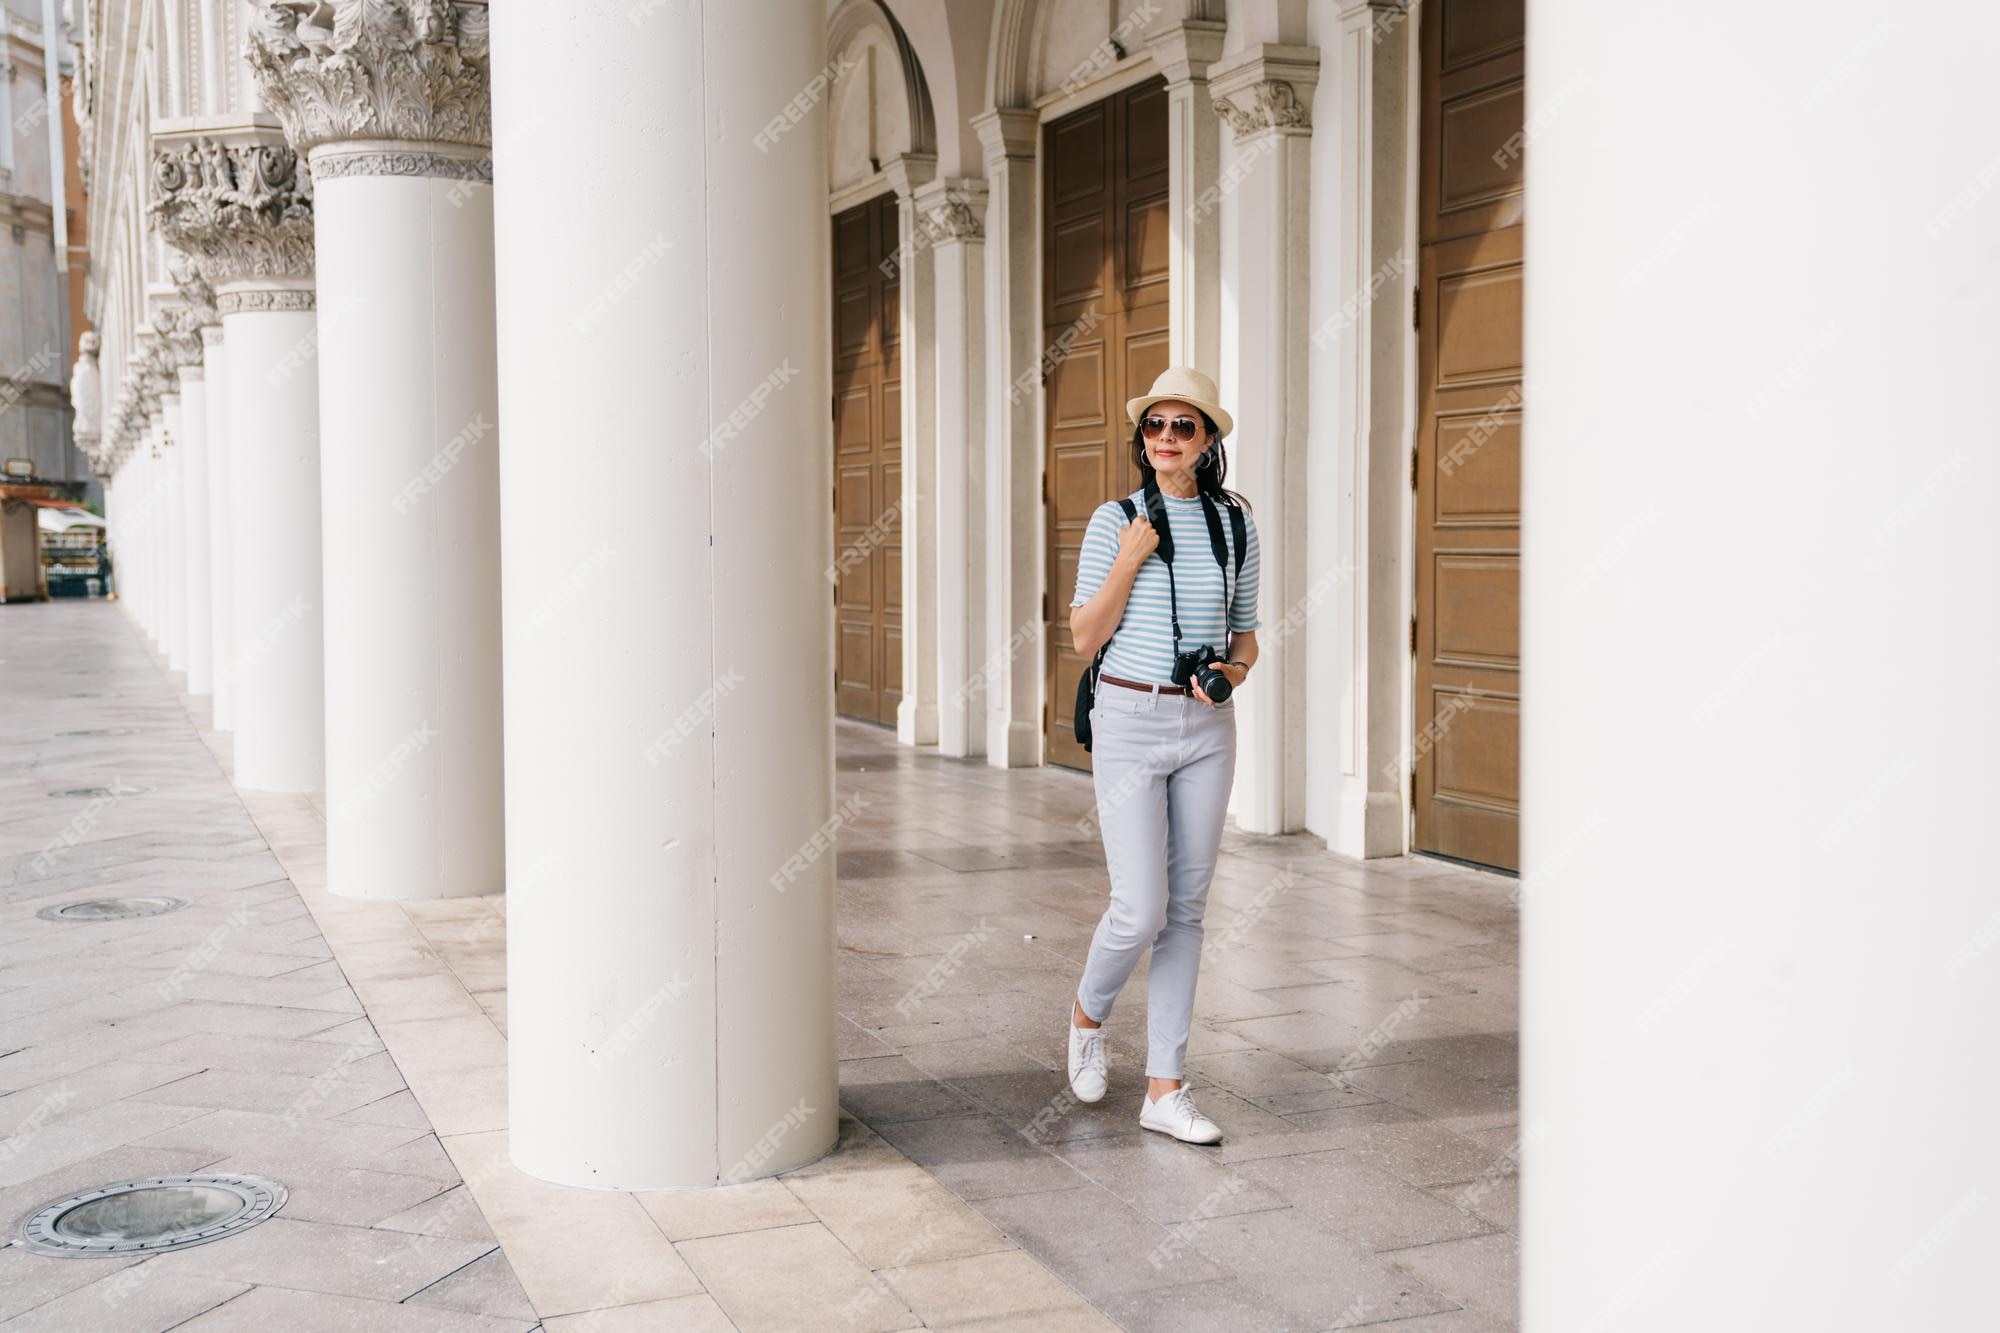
[1086, 685]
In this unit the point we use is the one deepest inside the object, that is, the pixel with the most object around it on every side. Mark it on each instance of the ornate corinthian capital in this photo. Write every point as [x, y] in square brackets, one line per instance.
[1266, 88]
[401, 71]
[241, 211]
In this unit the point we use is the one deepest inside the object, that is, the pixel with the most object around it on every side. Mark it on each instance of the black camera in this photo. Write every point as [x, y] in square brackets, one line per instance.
[1193, 666]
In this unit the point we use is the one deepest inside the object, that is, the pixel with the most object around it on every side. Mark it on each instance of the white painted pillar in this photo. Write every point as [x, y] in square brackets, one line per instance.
[669, 695]
[1264, 93]
[274, 484]
[1354, 619]
[1194, 225]
[221, 526]
[1016, 629]
[917, 712]
[173, 529]
[259, 263]
[1758, 725]
[409, 466]
[953, 213]
[192, 446]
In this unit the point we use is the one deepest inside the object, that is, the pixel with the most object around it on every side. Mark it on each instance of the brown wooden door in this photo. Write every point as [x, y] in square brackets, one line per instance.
[1105, 314]
[1468, 466]
[867, 464]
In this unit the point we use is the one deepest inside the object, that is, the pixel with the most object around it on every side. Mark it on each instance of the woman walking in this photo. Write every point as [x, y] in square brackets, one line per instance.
[1167, 602]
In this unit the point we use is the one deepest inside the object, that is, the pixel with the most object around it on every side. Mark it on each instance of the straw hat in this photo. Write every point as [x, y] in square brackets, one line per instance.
[1188, 386]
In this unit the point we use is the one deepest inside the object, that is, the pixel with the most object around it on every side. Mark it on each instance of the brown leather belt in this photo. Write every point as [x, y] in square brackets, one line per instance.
[1137, 685]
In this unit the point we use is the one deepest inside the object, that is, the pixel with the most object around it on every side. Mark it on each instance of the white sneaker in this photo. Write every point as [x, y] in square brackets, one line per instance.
[1086, 1060]
[1175, 1114]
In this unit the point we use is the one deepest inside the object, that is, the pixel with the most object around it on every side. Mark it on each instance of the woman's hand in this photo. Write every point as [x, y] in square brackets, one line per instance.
[1136, 542]
[1237, 675]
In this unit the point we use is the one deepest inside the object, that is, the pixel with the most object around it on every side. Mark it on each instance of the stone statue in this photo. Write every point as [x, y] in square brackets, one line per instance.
[84, 388]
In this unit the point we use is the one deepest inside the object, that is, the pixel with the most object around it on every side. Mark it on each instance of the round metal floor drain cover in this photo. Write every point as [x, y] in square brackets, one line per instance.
[99, 793]
[113, 909]
[157, 1213]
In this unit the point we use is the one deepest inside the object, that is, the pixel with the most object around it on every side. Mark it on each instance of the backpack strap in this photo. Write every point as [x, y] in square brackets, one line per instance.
[1131, 512]
[1238, 529]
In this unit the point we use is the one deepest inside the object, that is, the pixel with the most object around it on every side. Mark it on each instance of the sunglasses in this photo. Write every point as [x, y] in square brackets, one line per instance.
[1185, 428]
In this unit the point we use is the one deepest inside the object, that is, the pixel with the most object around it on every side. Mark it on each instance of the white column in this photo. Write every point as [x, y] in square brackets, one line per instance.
[258, 259]
[1758, 721]
[409, 456]
[1015, 627]
[1194, 227]
[1264, 94]
[173, 528]
[192, 446]
[221, 524]
[670, 951]
[1354, 619]
[917, 712]
[274, 482]
[953, 212]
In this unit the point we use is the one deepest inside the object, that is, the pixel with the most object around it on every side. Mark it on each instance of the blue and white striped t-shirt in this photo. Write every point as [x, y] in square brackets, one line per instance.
[1143, 647]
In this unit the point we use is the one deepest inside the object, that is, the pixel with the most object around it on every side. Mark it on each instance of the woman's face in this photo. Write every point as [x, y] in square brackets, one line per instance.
[1167, 451]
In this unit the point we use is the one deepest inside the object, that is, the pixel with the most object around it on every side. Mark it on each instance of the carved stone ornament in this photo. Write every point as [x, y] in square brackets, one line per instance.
[180, 336]
[232, 303]
[413, 71]
[954, 220]
[241, 211]
[195, 292]
[1272, 104]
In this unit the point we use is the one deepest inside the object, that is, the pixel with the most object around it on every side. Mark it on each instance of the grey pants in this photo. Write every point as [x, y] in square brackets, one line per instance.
[1163, 765]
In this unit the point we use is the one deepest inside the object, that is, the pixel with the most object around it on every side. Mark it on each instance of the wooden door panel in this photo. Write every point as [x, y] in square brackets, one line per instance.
[1466, 782]
[1105, 258]
[867, 430]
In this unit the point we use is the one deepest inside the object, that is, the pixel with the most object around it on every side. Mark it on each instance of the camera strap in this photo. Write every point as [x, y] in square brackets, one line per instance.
[1156, 512]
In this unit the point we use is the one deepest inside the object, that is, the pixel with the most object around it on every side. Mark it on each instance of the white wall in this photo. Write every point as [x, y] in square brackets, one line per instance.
[1760, 633]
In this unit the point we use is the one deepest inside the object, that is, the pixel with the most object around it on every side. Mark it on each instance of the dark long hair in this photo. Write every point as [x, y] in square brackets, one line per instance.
[1208, 472]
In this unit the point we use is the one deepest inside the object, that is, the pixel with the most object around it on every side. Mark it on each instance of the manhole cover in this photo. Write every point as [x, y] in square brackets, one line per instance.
[157, 1213]
[112, 909]
[98, 793]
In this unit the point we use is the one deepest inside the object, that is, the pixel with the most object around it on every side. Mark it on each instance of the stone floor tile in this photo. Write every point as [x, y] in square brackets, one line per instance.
[396, 1108]
[793, 1278]
[886, 1088]
[1482, 1272]
[271, 1138]
[421, 1156]
[1362, 1202]
[756, 1206]
[1093, 1241]
[1165, 1180]
[1225, 1305]
[895, 1214]
[325, 1094]
[454, 1213]
[487, 1286]
[461, 1101]
[981, 1157]
[345, 1196]
[431, 1045]
[138, 1299]
[322, 1257]
[1007, 1289]
[267, 1308]
[1315, 1278]
[683, 1314]
[30, 1280]
[571, 1248]
[87, 1132]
